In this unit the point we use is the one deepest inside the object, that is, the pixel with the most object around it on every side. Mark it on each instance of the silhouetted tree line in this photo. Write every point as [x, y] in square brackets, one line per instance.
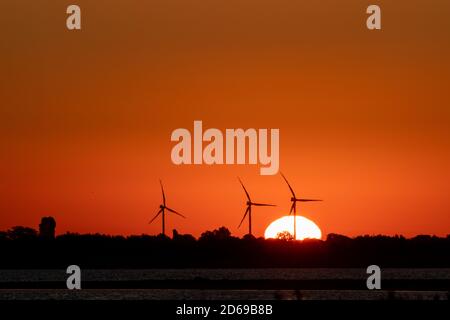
[23, 247]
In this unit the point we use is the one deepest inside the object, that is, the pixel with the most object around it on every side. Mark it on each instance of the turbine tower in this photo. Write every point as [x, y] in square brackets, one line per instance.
[294, 201]
[248, 211]
[162, 209]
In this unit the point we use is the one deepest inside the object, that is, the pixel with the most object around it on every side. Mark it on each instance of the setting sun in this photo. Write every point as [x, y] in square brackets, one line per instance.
[306, 229]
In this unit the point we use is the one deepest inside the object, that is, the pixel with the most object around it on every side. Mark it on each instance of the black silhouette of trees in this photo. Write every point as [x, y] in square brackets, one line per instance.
[23, 247]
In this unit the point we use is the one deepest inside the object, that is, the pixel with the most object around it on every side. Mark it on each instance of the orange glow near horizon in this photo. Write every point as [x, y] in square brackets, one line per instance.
[364, 117]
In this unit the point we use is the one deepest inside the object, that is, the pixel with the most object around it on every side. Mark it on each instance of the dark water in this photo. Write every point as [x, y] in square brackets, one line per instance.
[220, 274]
[195, 294]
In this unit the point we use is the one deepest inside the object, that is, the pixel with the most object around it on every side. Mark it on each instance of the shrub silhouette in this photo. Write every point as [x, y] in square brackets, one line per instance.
[21, 233]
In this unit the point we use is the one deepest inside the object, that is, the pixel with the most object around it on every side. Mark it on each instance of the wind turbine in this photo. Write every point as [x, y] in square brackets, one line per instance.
[294, 201]
[162, 209]
[248, 211]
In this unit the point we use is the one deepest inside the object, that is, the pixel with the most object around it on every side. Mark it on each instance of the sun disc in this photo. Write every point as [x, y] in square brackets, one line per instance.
[306, 229]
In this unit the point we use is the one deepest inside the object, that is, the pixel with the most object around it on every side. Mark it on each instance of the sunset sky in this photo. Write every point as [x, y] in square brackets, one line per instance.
[364, 116]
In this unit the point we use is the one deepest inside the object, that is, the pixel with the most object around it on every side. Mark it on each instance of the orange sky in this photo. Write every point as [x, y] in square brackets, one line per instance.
[364, 116]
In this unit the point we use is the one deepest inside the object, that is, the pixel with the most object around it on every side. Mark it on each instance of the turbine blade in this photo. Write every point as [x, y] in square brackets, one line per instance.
[263, 205]
[290, 188]
[159, 212]
[248, 196]
[307, 200]
[173, 211]
[162, 190]
[245, 214]
[292, 208]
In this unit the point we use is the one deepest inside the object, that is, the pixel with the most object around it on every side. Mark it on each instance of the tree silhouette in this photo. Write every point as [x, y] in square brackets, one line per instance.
[218, 234]
[21, 247]
[47, 228]
[285, 235]
[21, 233]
